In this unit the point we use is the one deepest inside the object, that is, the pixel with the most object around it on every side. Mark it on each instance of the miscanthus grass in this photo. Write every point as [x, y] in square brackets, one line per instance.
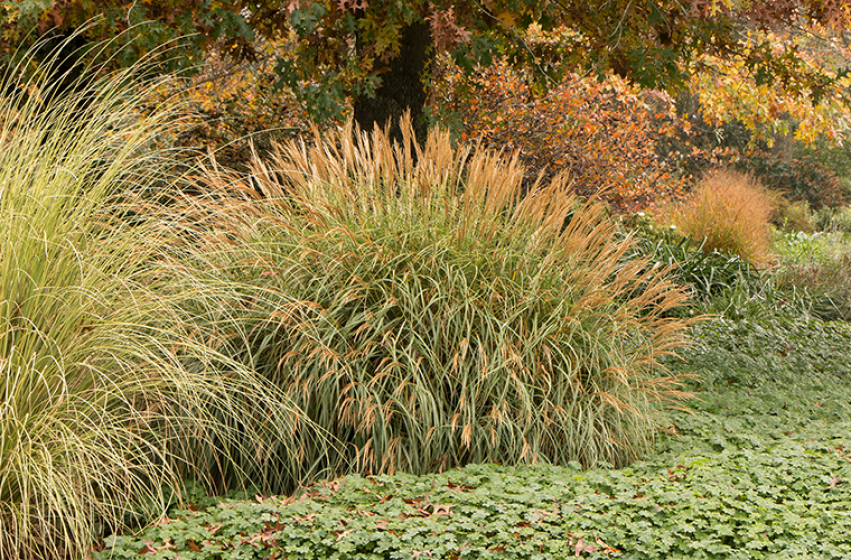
[422, 308]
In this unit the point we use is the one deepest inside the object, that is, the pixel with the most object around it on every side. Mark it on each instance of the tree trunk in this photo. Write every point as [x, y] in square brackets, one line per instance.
[401, 87]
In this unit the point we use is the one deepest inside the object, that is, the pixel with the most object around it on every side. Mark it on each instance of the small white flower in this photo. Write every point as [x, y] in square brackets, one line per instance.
[641, 214]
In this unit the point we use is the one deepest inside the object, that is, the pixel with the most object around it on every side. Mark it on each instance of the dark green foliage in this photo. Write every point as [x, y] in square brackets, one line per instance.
[804, 177]
[772, 353]
[831, 220]
[706, 274]
[834, 156]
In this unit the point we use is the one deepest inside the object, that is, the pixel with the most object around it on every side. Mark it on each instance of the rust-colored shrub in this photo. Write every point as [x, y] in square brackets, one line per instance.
[603, 134]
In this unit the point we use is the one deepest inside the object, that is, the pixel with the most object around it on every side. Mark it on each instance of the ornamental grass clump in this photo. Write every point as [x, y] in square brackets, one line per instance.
[108, 399]
[729, 212]
[417, 305]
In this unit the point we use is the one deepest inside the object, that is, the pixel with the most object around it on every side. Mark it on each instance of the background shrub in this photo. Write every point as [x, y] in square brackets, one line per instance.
[792, 217]
[606, 133]
[800, 178]
[834, 219]
[428, 314]
[728, 212]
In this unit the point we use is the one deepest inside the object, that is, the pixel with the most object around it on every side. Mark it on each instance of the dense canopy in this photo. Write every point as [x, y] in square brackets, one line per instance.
[346, 49]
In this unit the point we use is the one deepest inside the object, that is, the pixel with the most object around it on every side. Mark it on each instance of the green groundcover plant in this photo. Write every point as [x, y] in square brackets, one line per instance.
[109, 398]
[758, 469]
[735, 505]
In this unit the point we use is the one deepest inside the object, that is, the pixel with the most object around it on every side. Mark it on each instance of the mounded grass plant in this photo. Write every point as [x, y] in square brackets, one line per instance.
[422, 309]
[108, 396]
[728, 212]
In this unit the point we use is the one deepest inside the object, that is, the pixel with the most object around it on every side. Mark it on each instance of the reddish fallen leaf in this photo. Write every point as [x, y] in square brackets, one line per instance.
[343, 534]
[581, 547]
[151, 549]
[162, 521]
[460, 488]
[441, 509]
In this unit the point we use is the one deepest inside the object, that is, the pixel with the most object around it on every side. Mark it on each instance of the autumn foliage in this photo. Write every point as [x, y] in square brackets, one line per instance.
[728, 89]
[603, 134]
[232, 108]
[341, 49]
